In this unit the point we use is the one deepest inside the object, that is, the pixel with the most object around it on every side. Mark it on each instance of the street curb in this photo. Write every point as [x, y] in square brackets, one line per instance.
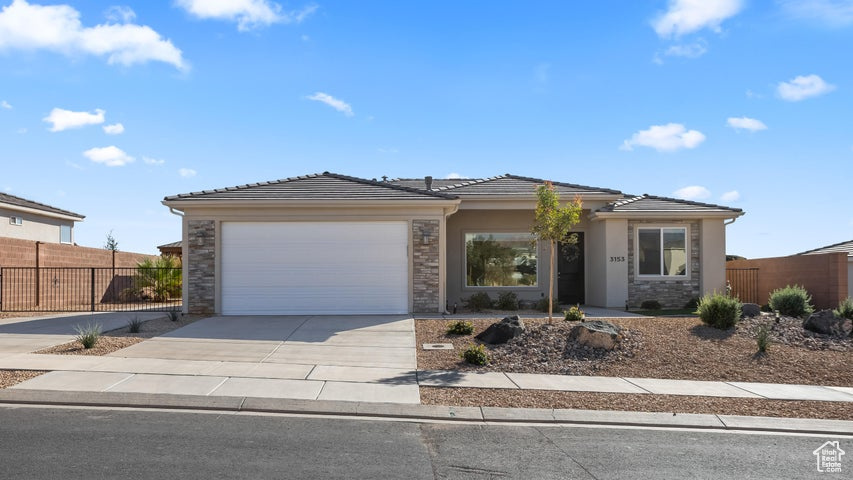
[426, 412]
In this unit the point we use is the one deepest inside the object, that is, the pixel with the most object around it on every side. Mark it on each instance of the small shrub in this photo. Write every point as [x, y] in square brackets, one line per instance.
[692, 304]
[507, 301]
[766, 308]
[88, 335]
[719, 311]
[845, 309]
[173, 315]
[134, 325]
[479, 301]
[650, 305]
[762, 339]
[574, 314]
[476, 354]
[791, 301]
[542, 305]
[460, 327]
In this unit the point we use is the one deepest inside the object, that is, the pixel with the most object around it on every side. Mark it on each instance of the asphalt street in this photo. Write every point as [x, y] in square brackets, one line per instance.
[41, 443]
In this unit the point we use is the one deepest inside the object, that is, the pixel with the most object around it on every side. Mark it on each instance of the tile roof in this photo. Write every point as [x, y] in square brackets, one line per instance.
[508, 184]
[177, 244]
[436, 182]
[318, 186]
[843, 247]
[7, 199]
[651, 203]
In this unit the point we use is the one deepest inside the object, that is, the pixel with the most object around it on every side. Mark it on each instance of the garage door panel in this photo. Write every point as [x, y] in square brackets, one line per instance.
[313, 267]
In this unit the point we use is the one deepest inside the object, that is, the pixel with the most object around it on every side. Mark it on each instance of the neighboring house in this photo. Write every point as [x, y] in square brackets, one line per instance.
[329, 243]
[174, 249]
[28, 220]
[843, 247]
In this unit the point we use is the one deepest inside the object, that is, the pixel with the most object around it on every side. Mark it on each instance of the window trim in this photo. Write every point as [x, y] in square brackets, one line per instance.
[16, 220]
[464, 253]
[661, 227]
[70, 235]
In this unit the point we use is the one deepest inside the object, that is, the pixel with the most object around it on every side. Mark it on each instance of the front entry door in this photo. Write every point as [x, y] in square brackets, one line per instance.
[570, 270]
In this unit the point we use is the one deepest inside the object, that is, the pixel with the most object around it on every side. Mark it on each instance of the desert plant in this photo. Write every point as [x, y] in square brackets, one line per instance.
[162, 276]
[574, 314]
[479, 301]
[507, 301]
[460, 327]
[762, 339]
[791, 301]
[719, 311]
[552, 224]
[88, 335]
[542, 305]
[650, 305]
[845, 309]
[135, 325]
[476, 354]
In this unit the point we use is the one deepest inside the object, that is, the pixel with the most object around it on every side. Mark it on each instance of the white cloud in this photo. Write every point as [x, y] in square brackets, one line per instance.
[693, 192]
[114, 129]
[746, 123]
[152, 161]
[248, 14]
[688, 16]
[453, 175]
[803, 87]
[333, 102]
[6, 105]
[120, 14]
[689, 50]
[732, 196]
[187, 172]
[64, 119]
[665, 138]
[58, 28]
[834, 13]
[111, 156]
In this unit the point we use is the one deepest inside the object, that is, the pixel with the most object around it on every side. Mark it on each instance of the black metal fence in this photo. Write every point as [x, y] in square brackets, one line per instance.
[744, 283]
[86, 289]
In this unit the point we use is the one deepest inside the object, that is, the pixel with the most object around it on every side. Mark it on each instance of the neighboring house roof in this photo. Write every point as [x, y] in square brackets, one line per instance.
[319, 186]
[18, 203]
[177, 244]
[649, 204]
[515, 185]
[843, 247]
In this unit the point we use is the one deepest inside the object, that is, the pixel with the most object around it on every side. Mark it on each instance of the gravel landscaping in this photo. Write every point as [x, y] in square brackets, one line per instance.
[9, 378]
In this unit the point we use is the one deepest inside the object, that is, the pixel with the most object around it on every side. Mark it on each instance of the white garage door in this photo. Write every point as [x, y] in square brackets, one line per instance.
[273, 268]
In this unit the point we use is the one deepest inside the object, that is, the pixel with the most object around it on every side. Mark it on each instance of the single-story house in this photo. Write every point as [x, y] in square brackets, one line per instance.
[842, 247]
[174, 249]
[29, 220]
[329, 243]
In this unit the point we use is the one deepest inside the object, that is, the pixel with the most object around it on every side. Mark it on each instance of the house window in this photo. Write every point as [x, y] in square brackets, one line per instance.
[500, 260]
[662, 251]
[16, 220]
[64, 234]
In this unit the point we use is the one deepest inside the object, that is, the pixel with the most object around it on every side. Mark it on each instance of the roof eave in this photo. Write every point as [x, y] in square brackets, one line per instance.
[179, 204]
[666, 214]
[44, 213]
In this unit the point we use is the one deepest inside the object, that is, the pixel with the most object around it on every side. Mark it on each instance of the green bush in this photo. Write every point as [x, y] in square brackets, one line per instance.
[542, 305]
[762, 339]
[574, 314]
[766, 308]
[719, 311]
[692, 304]
[476, 354]
[479, 301]
[507, 301]
[845, 309]
[791, 301]
[162, 276]
[460, 327]
[135, 325]
[88, 335]
[650, 305]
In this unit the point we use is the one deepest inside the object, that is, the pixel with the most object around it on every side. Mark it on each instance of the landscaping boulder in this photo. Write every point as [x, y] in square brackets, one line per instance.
[596, 334]
[503, 331]
[827, 323]
[750, 310]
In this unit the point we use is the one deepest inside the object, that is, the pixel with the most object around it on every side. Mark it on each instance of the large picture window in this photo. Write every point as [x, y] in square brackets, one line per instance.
[662, 251]
[500, 260]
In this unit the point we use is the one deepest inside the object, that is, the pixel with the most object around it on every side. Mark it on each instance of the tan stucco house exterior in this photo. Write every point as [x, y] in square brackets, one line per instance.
[329, 243]
[28, 220]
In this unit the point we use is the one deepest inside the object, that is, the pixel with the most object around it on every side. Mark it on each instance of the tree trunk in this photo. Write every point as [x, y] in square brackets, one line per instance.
[551, 287]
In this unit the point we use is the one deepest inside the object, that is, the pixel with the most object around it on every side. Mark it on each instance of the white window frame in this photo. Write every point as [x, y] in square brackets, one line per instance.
[15, 220]
[70, 234]
[661, 228]
[487, 231]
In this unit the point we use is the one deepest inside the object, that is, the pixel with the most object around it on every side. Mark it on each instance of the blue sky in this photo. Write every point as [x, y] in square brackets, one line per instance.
[105, 108]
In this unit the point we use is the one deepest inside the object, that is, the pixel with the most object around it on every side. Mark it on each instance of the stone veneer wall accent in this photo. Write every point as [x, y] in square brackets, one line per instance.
[201, 266]
[670, 293]
[425, 261]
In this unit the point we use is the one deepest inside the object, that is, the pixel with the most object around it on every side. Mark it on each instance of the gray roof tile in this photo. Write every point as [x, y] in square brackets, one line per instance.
[319, 186]
[651, 203]
[843, 247]
[508, 184]
[23, 202]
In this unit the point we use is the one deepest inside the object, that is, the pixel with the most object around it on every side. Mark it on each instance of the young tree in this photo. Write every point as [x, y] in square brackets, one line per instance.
[111, 243]
[552, 224]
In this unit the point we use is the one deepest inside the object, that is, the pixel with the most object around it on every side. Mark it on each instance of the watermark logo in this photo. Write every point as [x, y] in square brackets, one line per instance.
[828, 457]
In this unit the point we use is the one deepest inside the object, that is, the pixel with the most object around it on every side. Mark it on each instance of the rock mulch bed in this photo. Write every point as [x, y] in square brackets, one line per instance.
[9, 378]
[789, 331]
